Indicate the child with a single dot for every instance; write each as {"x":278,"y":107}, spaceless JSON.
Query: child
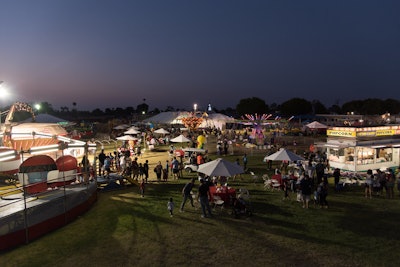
{"x":141,"y":187}
{"x":165,"y":175}
{"x":170,"y":206}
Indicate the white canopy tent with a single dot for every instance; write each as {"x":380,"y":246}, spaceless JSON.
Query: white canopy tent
{"x":316,"y":125}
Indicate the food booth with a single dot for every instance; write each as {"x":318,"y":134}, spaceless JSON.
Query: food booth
{"x":361,"y":148}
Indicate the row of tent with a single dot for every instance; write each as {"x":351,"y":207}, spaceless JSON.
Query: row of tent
{"x":217,"y":120}
{"x":222,"y":167}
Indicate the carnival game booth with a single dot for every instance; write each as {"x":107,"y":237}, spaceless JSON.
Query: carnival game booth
{"x":358,"y":149}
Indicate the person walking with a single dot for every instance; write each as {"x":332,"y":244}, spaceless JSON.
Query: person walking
{"x":186,"y":193}
{"x":171,"y":206}
{"x":204,"y":195}
{"x":175,"y":168}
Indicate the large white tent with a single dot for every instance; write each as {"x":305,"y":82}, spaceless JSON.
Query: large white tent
{"x":217,"y":120}
{"x":164,"y":117}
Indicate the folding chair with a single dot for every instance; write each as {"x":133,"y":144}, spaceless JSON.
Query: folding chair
{"x":218,"y":202}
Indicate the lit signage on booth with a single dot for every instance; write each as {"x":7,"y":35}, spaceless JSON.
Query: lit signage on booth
{"x":340,"y":133}
{"x":364,"y":132}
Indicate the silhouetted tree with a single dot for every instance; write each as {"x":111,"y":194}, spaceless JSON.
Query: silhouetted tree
{"x":170,"y":108}
{"x":251,"y":106}
{"x":46,"y":107}
{"x":274,"y":107}
{"x":129,"y":110}
{"x":318,"y":107}
{"x":142,"y":108}
{"x":64,"y":109}
{"x":368,"y":106}
{"x":335,"y":109}
{"x":296,"y":106}
{"x":97,"y":112}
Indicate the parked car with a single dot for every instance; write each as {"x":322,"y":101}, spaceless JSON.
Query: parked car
{"x":189,"y":167}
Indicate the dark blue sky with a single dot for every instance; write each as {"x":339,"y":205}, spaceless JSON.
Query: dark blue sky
{"x":115,"y":53}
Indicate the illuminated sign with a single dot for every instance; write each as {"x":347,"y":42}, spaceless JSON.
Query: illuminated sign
{"x":364,"y":132}
{"x":385,"y":132}
{"x":341,"y":133}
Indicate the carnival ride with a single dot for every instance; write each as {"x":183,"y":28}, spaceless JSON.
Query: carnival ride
{"x":39,"y":174}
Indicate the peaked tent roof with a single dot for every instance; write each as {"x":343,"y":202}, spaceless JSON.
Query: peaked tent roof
{"x":283,"y":154}
{"x":316,"y":125}
{"x":180,"y":139}
{"x":220,"y":167}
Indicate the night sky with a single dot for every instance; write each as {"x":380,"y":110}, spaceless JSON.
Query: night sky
{"x":115,"y":53}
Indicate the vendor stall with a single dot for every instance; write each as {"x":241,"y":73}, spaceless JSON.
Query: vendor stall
{"x":361,"y":148}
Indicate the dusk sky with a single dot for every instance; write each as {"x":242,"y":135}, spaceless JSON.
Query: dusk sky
{"x":115,"y":53}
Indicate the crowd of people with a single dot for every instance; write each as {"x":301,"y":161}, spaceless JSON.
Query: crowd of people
{"x":311,"y":185}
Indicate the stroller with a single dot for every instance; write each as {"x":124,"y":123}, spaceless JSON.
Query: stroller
{"x":241,"y":207}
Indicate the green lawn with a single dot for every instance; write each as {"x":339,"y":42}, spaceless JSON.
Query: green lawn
{"x":123,"y":229}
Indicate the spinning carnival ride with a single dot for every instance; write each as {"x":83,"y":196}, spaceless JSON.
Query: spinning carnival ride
{"x":38,"y":170}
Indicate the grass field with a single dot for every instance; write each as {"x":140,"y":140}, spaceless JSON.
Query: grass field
{"x":124,"y":229}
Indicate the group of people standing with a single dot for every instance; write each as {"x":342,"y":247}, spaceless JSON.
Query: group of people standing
{"x":307,"y":191}
{"x":379,"y":181}
{"x":173,"y":168}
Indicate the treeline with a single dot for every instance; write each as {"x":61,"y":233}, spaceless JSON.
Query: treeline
{"x":254,"y":105}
